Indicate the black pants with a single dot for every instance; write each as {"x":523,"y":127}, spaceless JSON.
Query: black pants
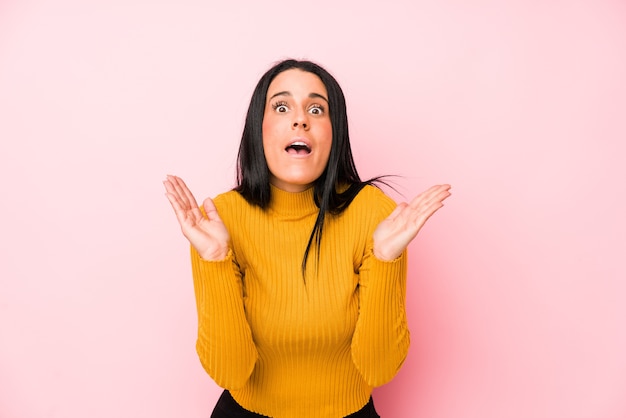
{"x":227,"y":407}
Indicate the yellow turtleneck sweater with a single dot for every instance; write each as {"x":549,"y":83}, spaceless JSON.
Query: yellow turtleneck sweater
{"x":294,"y":347}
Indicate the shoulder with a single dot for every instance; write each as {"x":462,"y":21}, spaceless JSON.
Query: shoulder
{"x":371,"y":205}
{"x":375,"y":199}
{"x":231,"y":203}
{"x":230,"y":197}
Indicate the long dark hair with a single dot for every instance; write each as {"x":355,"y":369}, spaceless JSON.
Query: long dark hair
{"x":338,"y":185}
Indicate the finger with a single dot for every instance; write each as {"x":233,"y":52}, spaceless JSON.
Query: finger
{"x":420,"y":216}
{"x":179,"y":188}
{"x":188,"y":201}
{"x":188,"y":195}
{"x":211,"y":210}
{"x":169,"y":186}
{"x":435,"y":193}
{"x":181,"y":214}
{"x":172,"y":194}
{"x":439,"y":197}
{"x":180,"y":192}
{"x":430,"y":193}
{"x":396,"y":212}
{"x":422,"y":209}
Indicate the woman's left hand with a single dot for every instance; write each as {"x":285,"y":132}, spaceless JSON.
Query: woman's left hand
{"x":394,"y":233}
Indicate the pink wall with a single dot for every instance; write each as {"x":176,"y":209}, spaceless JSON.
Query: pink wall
{"x":517,"y":288}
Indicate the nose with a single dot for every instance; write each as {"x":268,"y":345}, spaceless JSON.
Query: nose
{"x":300,"y":120}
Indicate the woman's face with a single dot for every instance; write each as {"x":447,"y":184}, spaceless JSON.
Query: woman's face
{"x":297,"y":133}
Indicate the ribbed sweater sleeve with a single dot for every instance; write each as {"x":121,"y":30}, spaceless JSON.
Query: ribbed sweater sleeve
{"x":225,"y":345}
{"x":381,"y":338}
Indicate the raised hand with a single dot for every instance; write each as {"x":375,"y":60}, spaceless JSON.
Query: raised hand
{"x":208,"y":235}
{"x":395,"y":232}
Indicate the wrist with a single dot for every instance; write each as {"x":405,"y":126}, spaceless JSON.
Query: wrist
{"x":215,"y":255}
{"x":385,"y":256}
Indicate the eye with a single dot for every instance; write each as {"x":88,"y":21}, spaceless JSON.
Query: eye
{"x":316,"y":110}
{"x":280,"y":107}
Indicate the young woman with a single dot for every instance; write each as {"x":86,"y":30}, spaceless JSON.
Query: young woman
{"x":300,"y":271}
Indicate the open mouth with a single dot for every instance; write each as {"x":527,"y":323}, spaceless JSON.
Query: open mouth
{"x":298,"y":148}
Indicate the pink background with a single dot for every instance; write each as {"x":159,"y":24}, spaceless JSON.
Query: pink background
{"x":517,"y":287}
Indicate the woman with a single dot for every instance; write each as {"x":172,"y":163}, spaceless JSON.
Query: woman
{"x":300,"y":271}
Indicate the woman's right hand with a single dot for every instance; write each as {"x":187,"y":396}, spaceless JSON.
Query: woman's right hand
{"x":207,"y":234}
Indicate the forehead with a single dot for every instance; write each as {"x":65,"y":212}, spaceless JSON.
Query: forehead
{"x":296,"y":81}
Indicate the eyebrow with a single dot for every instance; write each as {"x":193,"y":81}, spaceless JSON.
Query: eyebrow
{"x":311,"y":95}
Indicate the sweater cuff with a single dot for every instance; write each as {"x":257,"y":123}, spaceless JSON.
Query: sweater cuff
{"x":388,"y":271}
{"x":212,"y":268}
{"x":214,"y":278}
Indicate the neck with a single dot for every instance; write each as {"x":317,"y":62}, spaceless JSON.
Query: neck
{"x":292,"y":203}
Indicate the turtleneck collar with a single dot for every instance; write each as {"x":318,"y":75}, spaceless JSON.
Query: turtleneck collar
{"x":290,"y":204}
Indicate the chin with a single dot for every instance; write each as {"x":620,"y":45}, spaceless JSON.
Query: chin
{"x":292,"y":185}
